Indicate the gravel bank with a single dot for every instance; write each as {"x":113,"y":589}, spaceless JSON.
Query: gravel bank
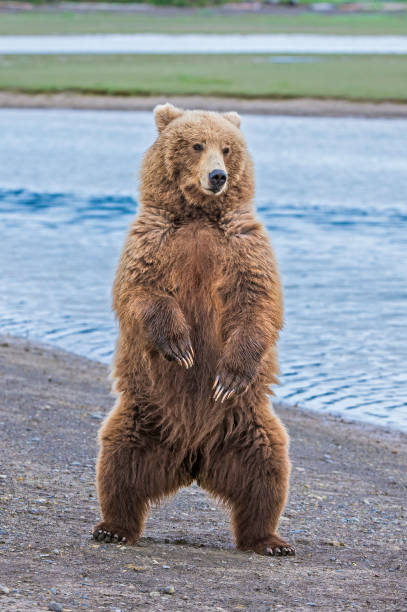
{"x":303,"y":107}
{"x":346,"y":512}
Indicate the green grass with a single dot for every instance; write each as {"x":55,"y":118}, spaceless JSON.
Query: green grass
{"x":347,"y":77}
{"x":205,"y":20}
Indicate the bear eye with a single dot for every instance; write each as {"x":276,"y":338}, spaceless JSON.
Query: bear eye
{"x":226,"y":150}
{"x":198,"y":147}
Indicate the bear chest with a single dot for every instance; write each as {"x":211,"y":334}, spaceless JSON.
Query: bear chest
{"x":194,"y":263}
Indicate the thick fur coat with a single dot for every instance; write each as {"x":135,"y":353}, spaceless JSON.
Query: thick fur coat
{"x":199,"y":304}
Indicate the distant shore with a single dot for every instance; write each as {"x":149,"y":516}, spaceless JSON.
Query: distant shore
{"x":346,"y":512}
{"x":309,"y":107}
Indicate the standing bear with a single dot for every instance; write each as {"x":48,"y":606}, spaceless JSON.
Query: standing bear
{"x":199,"y":304}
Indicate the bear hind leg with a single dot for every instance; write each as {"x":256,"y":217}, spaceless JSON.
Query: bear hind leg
{"x":122,"y":505}
{"x":128,"y":481}
{"x":250,"y":472}
{"x":132,"y":471}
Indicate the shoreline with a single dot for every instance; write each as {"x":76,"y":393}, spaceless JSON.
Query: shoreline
{"x":278,"y":403}
{"x":299,"y":107}
{"x":345,"y":514}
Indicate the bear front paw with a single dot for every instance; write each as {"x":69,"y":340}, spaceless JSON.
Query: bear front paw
{"x":178,"y":349}
{"x":229,"y":383}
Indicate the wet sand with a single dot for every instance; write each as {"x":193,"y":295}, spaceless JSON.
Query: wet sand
{"x":346,"y":513}
{"x":307,"y":107}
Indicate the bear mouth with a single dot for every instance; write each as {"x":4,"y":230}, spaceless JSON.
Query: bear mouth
{"x":213,"y":190}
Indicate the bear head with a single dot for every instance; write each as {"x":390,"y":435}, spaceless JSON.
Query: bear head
{"x":199,"y":159}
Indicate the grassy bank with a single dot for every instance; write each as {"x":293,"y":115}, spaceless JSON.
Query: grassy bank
{"x":347,"y":77}
{"x":208,"y":21}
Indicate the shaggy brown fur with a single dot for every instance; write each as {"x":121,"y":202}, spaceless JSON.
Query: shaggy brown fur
{"x":198,"y":300}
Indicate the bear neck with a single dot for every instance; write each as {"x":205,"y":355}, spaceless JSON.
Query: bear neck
{"x":178,"y":208}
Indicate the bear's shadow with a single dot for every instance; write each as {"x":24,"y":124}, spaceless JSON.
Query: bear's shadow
{"x":190,"y":518}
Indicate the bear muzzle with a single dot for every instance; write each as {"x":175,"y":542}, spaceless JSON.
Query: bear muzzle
{"x":213,"y":175}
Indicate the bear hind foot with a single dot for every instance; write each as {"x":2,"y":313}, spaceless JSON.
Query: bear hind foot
{"x":272,"y":546}
{"x":108,"y":533}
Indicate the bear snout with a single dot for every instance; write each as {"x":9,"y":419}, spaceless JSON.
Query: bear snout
{"x":217,"y":178}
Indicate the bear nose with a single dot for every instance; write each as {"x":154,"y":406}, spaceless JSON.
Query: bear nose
{"x":217,"y":178}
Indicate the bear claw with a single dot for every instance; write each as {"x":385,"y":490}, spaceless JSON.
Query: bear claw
{"x":184,"y":357}
{"x":280,"y":551}
{"x":103,"y":535}
{"x":223,"y":392}
{"x":274,"y":546}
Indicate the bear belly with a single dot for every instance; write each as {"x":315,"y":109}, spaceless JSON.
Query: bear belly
{"x":197,"y":272}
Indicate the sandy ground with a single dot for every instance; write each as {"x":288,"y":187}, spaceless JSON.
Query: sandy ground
{"x":311,"y":107}
{"x":346,"y":513}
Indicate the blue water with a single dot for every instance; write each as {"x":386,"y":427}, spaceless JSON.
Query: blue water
{"x":332,"y":193}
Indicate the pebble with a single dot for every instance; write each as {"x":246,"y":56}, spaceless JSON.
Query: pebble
{"x":169,"y":590}
{"x":97,"y":415}
{"x":335,"y":543}
{"x":154,"y":594}
{"x":4,"y":590}
{"x":55,"y":607}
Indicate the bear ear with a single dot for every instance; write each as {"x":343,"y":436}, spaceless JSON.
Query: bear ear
{"x":233,"y":118}
{"x":164,"y":114}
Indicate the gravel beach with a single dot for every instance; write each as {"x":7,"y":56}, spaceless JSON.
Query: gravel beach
{"x":300,"y":107}
{"x":346,"y":513}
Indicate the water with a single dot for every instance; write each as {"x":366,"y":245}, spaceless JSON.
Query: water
{"x":203,"y":43}
{"x":332,"y":193}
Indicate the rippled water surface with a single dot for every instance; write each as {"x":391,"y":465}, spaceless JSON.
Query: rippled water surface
{"x":332,"y":193}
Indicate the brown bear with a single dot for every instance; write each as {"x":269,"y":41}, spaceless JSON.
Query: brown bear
{"x":199,"y":304}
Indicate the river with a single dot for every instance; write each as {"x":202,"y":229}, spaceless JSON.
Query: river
{"x":331,"y":192}
{"x":203,"y":43}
